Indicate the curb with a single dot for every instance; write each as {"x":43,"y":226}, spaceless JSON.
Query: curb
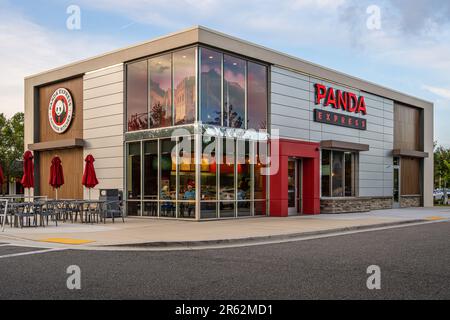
{"x":253,"y":240}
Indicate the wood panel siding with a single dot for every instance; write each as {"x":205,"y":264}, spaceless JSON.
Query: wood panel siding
{"x":407,"y":128}
{"x":46,"y":133}
{"x":72,"y":162}
{"x":407,"y":137}
{"x":410,"y":176}
{"x":72,"y":158}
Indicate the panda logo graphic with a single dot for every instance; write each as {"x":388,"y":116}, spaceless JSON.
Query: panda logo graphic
{"x":60,"y":110}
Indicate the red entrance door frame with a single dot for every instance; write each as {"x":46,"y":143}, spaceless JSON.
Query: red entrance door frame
{"x":309,"y":152}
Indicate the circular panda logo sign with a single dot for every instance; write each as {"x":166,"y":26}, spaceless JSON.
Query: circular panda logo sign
{"x":60,"y":110}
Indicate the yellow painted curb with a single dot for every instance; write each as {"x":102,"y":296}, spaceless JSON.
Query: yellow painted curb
{"x":66,"y":241}
{"x":434,"y":218}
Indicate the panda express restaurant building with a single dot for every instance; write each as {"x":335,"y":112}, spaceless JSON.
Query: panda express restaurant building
{"x":200,"y":125}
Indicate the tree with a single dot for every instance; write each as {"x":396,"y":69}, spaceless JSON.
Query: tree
{"x":442,"y":169}
{"x":11,"y":144}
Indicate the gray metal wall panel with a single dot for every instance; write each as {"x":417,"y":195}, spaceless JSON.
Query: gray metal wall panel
{"x":292,"y":105}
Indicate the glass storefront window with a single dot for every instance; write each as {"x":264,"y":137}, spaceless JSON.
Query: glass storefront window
{"x":137,"y":117}
{"x":186,"y":177}
{"x":227,"y":209}
{"x":187,"y":168}
{"x":244,"y":208}
{"x":162,"y":90}
{"x":167,"y":209}
{"x":186,"y":209}
{"x":168,"y":174}
{"x":208,"y":210}
{"x":337,"y":182}
{"x":244,"y":178}
{"x":134,"y":179}
{"x":243,"y":170}
{"x":161,"y":178}
{"x":208,"y":178}
{"x":133,"y":208}
{"x":160,"y":69}
{"x":326,"y":173}
{"x":227,"y":170}
{"x":260,"y":179}
{"x":208,"y":170}
{"x":234,"y":92}
{"x":260,"y":208}
{"x":150,"y":209}
{"x":184,"y":82}
{"x":134,"y":171}
{"x":349,"y":159}
{"x":338,"y":173}
{"x":256,"y":96}
{"x":150,"y":175}
{"x":211,"y":83}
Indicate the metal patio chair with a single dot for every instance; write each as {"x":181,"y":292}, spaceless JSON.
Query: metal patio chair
{"x":92,"y":212}
{"x":14,"y":212}
{"x":26,"y":213}
{"x":111,"y":209}
{"x":46,"y":210}
{"x":64,"y":210}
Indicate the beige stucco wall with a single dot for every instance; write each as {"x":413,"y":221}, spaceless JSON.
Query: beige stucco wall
{"x":103,"y":128}
{"x":428,"y":177}
{"x":28,"y":121}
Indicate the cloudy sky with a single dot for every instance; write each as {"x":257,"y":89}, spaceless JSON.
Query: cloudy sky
{"x":410,"y":51}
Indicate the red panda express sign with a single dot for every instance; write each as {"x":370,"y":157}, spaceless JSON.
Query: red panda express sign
{"x":345,"y":101}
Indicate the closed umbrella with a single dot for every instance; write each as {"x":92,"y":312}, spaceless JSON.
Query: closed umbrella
{"x":28,"y":171}
{"x":2,"y":180}
{"x":56,"y":174}
{"x":89,"y":177}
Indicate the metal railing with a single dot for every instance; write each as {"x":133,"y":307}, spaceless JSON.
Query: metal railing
{"x":24,"y":198}
{"x":4,"y":213}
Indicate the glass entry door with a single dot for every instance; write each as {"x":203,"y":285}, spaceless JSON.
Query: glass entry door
{"x":294,"y":186}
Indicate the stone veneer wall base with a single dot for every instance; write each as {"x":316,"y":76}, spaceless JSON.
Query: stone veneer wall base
{"x":410,"y":201}
{"x":354,"y":204}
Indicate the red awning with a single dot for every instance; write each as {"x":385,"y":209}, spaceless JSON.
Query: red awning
{"x":89,"y":176}
{"x":28,"y":170}
{"x":56,"y":173}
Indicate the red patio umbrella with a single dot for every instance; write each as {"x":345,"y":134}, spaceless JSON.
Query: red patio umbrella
{"x":28,"y":171}
{"x":89,"y":177}
{"x":2,"y":179}
{"x":56,"y":179}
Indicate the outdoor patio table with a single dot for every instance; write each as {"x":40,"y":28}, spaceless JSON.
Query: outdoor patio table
{"x":58,"y":205}
{"x":84,"y":207}
{"x":77,"y":208}
{"x":69,"y":207}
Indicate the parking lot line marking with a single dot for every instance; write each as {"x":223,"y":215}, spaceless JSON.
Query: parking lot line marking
{"x":30,"y":252}
{"x":434,"y":218}
{"x":66,"y":241}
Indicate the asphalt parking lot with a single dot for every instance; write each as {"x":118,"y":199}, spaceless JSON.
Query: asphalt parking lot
{"x":414,"y":263}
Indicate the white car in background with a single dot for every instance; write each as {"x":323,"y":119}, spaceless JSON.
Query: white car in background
{"x":438,"y":194}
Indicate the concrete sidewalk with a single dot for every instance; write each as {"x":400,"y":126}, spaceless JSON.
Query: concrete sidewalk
{"x":153,"y":232}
